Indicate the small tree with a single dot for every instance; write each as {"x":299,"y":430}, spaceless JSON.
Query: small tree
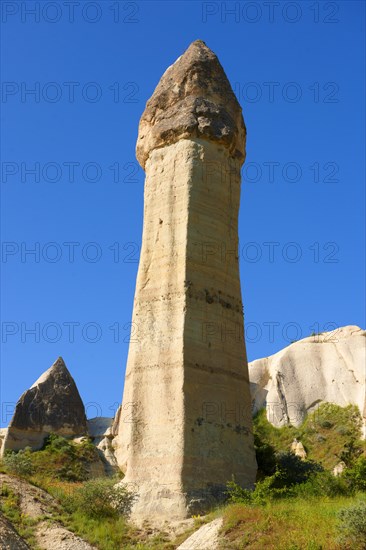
{"x":104,"y":497}
{"x":19,"y":463}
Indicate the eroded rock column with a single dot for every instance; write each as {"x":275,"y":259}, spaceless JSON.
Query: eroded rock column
{"x":185,"y":423}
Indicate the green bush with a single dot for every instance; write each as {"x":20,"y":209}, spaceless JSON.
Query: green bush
{"x":102,"y":498}
{"x":330,"y":434}
{"x":19,"y":463}
{"x":352,"y":449}
{"x":65,"y":460}
{"x":293,"y":477}
{"x":356,"y":475}
{"x":295,"y":470}
{"x":238,"y":495}
{"x":57,"y":443}
{"x":59,"y":459}
{"x":271,"y":487}
{"x":353,"y":524}
{"x":322,"y":484}
{"x":265,"y":490}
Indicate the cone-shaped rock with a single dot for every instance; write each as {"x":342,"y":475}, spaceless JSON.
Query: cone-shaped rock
{"x":184,"y":428}
{"x":52,"y":404}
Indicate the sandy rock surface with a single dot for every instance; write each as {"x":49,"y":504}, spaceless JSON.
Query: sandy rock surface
{"x":205,"y":538}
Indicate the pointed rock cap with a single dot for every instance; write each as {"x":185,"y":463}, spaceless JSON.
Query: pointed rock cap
{"x":58,"y":366}
{"x":51,"y":404}
{"x":193,"y":99}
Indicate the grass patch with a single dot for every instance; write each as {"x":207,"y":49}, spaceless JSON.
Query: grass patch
{"x":290,"y":524}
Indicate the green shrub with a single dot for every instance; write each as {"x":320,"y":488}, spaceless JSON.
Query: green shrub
{"x":102,"y":498}
{"x":271,"y":487}
{"x":267,"y":489}
{"x":19,"y":463}
{"x":346,"y":419}
{"x":293,"y":477}
{"x":351,"y":451}
{"x":59,"y":459}
{"x":57,"y":443}
{"x":65,"y":460}
{"x":237,"y":494}
{"x":322,"y":484}
{"x":295,"y":470}
{"x":353,"y":523}
{"x":356,"y":475}
{"x":330,"y":434}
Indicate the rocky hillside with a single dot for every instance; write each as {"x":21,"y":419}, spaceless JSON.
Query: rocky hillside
{"x":33,"y":512}
{"x":328,"y":367}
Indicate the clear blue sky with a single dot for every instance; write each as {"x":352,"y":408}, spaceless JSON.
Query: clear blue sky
{"x":299,"y":73}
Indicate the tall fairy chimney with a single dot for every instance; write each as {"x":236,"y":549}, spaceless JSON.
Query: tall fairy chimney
{"x":185,"y":423}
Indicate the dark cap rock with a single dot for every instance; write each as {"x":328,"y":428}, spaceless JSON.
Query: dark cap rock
{"x":193,"y":99}
{"x":52,"y":404}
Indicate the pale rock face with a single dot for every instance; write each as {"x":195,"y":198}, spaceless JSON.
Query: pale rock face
{"x":206,"y":537}
{"x":3,"y":432}
{"x":100,"y":429}
{"x":328,"y":367}
{"x":339,"y":468}
{"x":298,"y":449}
{"x":52,"y":404}
{"x":184,"y":427}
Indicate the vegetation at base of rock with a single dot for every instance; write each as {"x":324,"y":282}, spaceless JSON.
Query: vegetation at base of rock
{"x":60,"y":459}
{"x":114,"y":533}
{"x":330,"y":434}
{"x":295,"y":498}
{"x":281,"y":485}
{"x":19,"y":463}
{"x":97,"y":511}
{"x":281,"y":474}
{"x":101,"y":498}
{"x":297,"y":504}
